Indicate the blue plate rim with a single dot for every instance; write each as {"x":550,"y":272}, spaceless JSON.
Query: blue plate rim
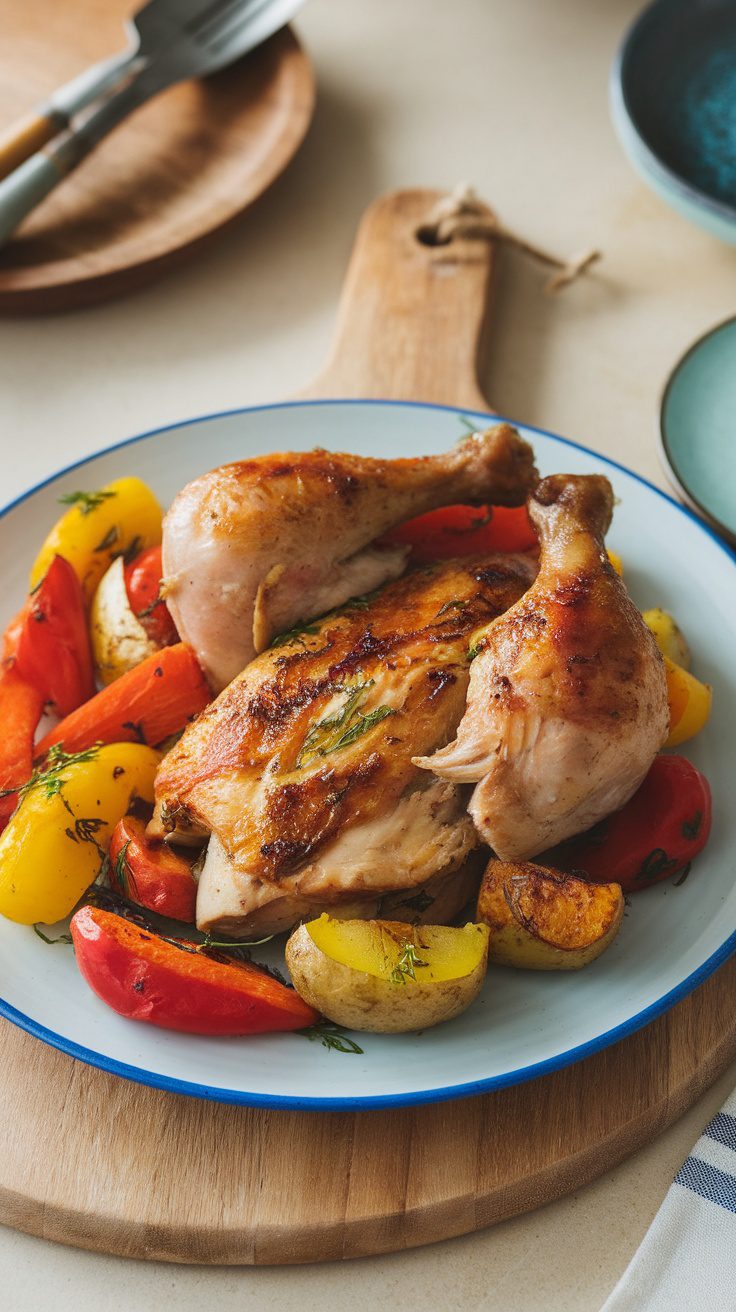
{"x":625,"y":123}
{"x":240,"y":1097}
{"x":668,"y":459}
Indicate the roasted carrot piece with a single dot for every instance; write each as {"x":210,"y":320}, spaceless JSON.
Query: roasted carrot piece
{"x":21,"y":706}
{"x":145,"y":705}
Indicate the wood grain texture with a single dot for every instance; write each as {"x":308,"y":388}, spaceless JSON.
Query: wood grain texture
{"x":93,"y":1161}
{"x":165,"y":181}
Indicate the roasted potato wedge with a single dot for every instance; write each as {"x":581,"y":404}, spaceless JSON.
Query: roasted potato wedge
{"x":541,"y":919}
{"x":385,"y":976}
{"x":119,"y":640}
{"x":668,"y":636}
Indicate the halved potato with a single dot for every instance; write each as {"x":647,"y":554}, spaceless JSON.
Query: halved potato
{"x":386,"y":976}
{"x":541,"y":919}
{"x":119,"y":640}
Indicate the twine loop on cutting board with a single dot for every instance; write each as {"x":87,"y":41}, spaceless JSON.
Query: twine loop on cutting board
{"x":463,"y":214}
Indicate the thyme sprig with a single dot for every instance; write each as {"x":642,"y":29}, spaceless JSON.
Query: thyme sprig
{"x":108,"y":541}
{"x":407,"y":965}
{"x":86,"y":501}
{"x":297,"y":634}
{"x":61,"y":938}
{"x":344,"y":727}
{"x":331,"y":1037}
{"x":50,"y":779}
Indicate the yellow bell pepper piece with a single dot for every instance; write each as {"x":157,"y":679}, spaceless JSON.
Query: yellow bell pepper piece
{"x":690,"y":703}
{"x":57,"y":838}
{"x":122,"y":517}
{"x":668,"y":636}
{"x":616,"y":561}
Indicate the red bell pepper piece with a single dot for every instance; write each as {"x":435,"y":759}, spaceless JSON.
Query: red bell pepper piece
{"x":143,"y":584}
{"x":464,"y":531}
{"x":145,"y":705}
{"x":173,"y":984}
{"x":53,"y":649}
{"x":21,"y":707}
{"x":11,"y":636}
{"x":150,"y":873}
{"x":654,"y":836}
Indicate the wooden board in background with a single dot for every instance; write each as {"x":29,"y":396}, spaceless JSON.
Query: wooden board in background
{"x":165,"y":181}
{"x":93,"y":1161}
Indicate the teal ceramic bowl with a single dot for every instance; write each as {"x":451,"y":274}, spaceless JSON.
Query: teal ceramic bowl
{"x":673,"y":102}
{"x":698,"y":427}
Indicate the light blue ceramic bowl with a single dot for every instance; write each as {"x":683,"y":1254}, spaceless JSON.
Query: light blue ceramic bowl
{"x":698,"y":427}
{"x":673,"y":102}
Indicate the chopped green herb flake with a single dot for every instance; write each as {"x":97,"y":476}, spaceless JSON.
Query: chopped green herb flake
{"x":108,"y":541}
{"x":331,"y":1037}
{"x":452,"y":605}
{"x":345,"y":726}
{"x":61,"y":938}
{"x":86,"y":501}
{"x":408,"y":964}
{"x":294,"y":635}
{"x":132,"y":550}
{"x":51,"y":779}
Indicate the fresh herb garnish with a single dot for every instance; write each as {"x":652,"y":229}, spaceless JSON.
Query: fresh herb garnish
{"x":182,"y":936}
{"x":108,"y":541}
{"x":360,"y":603}
{"x":452,"y":605}
{"x":50,"y":780}
{"x":345,"y":726}
{"x":469,"y":426}
{"x":330,"y":1036}
{"x":132,"y":550}
{"x":691,"y":828}
{"x":657,"y":865}
{"x":294,"y":635}
{"x":420,"y":902}
{"x":62,"y":938}
{"x":87,"y":501}
{"x":136,"y":727}
{"x":473,"y":650}
{"x":123,"y":873}
{"x":407,"y":964}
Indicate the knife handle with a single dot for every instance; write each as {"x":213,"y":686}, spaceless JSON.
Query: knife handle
{"x":23,"y":189}
{"x":28,"y":135}
{"x":31,"y":133}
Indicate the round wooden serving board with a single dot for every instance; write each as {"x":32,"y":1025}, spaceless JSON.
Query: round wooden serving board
{"x":91,"y":1160}
{"x":175,"y":172}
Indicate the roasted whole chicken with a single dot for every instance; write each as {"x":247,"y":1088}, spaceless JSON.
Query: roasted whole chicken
{"x":301,"y":771}
{"x":253,"y":548}
{"x":567,"y":704}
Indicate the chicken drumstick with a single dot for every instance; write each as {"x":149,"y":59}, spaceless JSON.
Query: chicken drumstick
{"x":567,"y":703}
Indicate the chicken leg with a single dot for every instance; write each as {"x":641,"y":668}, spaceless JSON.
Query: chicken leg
{"x":253,"y":548}
{"x":567,"y":703}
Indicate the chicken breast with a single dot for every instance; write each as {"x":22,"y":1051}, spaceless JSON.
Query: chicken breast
{"x":302,"y":768}
{"x":253,"y":548}
{"x":567,"y":704}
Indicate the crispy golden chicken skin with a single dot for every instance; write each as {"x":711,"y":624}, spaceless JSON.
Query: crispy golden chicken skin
{"x":567,"y":704}
{"x":302,"y":771}
{"x":252,"y":548}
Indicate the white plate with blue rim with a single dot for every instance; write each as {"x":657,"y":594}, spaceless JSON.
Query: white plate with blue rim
{"x":524,"y":1024}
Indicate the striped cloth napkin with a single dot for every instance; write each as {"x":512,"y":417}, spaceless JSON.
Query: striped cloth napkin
{"x":687,"y":1259}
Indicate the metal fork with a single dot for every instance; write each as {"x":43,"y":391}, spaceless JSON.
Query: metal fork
{"x":170,"y":41}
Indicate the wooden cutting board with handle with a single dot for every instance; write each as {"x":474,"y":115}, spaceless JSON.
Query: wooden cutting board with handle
{"x":91,"y":1160}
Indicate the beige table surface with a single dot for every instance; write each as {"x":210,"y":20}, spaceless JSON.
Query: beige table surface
{"x":511,"y":96}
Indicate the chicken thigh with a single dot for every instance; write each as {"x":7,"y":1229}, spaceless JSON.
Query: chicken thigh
{"x":253,"y":548}
{"x":567,"y":704}
{"x":301,"y":770}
